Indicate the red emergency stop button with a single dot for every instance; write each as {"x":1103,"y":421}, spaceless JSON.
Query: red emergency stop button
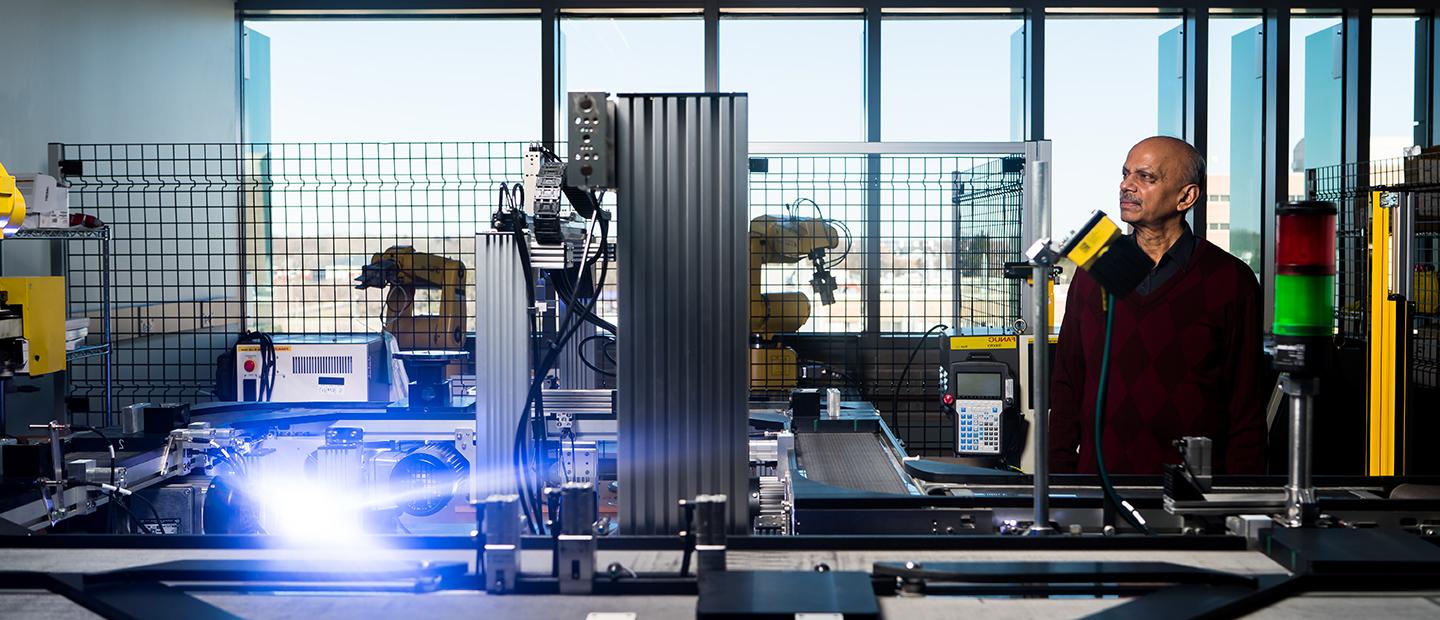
{"x":949,"y":399}
{"x":249,"y":365}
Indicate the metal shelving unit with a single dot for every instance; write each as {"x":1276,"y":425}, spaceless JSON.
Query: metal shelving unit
{"x":103,"y":349}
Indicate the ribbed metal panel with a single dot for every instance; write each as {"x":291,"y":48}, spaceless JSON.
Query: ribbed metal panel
{"x":574,"y":375}
{"x":502,"y":362}
{"x":683,"y":206}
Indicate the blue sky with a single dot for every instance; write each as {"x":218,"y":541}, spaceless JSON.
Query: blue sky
{"x":477,"y":80}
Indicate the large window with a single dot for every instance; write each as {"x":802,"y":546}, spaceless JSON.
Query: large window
{"x":1236,"y":107}
{"x":947,"y":79}
{"x":394,"y":80}
{"x":1316,"y":95}
{"x":1392,"y":86}
{"x":631,"y":55}
{"x":1102,"y":96}
{"x":804,"y":77}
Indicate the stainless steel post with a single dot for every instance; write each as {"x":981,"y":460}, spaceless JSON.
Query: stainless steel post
{"x":1300,"y":507}
{"x":1040,"y":387}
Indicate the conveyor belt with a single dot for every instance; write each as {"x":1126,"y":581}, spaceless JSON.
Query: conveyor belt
{"x":851,"y":460}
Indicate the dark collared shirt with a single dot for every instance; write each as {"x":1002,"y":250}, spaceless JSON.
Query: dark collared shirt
{"x":1171,"y":262}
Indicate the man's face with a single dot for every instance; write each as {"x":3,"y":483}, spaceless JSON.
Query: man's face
{"x":1151,"y":189}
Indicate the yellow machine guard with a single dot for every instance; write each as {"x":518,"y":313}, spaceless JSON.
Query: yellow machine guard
{"x":42,"y":303}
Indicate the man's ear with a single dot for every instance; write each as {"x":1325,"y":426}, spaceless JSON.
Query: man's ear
{"x":1189,"y":196}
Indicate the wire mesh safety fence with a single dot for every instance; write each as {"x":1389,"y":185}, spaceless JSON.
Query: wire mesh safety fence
{"x":1351,"y":187}
{"x":1340,"y":185}
{"x":211,"y":240}
{"x":908,"y":242}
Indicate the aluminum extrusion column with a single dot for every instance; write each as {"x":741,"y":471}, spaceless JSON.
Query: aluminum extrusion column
{"x":684,"y":314}
{"x":502,"y":362}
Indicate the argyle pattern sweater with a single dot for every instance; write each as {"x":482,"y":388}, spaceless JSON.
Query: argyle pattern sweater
{"x":1185,"y":360}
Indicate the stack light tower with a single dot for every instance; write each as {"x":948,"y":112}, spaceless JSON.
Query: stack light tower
{"x":1304,"y":330}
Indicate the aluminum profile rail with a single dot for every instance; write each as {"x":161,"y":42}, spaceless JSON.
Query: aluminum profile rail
{"x":502,"y":362}
{"x":684,"y":316}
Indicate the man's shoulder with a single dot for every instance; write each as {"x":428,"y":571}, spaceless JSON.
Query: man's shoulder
{"x":1225,"y":278}
{"x":1216,"y":261}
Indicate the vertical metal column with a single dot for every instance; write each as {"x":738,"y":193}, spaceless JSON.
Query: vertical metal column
{"x":1040,"y":523}
{"x":1197,"y":89}
{"x":1034,"y":94}
{"x":684,"y":312}
{"x":1037,"y":226}
{"x":1035,"y":210}
{"x":502,"y":362}
{"x":1427,"y":79}
{"x":1300,"y":507}
{"x":873,"y":212}
{"x":1275,"y":164}
{"x":549,"y":71}
{"x":712,"y":46}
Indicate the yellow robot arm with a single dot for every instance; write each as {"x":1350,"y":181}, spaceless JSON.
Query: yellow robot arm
{"x":787,"y":240}
{"x":404,"y":270}
{"x":12,"y":205}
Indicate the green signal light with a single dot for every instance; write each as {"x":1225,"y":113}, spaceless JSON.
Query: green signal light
{"x":1304,"y":305}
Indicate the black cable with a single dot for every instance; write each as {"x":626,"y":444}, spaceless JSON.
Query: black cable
{"x":849,"y":242}
{"x":849,"y":380}
{"x":568,"y":296}
{"x":519,"y":460}
{"x":267,"y":361}
{"x":1130,"y":514}
{"x":159,"y":526}
{"x":895,"y":402}
{"x":134,"y":521}
{"x":116,"y":495}
{"x":569,"y":325}
{"x":580,"y":350}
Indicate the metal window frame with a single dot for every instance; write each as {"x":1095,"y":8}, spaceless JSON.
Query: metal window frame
{"x":1427,"y":79}
{"x":1196,"y":33}
{"x":1276,"y":15}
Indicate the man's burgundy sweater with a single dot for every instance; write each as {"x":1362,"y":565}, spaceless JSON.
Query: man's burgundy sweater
{"x":1185,"y":360}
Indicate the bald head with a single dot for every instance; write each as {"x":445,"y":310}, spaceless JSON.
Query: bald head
{"x":1192,"y":163}
{"x":1163,"y":177}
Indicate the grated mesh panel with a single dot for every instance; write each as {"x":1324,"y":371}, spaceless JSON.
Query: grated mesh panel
{"x":851,"y":460}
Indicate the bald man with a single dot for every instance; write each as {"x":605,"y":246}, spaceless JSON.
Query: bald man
{"x":1185,"y":357}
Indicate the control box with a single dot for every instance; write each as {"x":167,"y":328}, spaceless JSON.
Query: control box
{"x":591,"y":161}
{"x":314,"y":367}
{"x":979,"y":389}
{"x":978,"y":393}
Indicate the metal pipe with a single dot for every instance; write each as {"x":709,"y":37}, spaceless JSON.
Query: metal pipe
{"x":1040,"y":387}
{"x":105,"y":294}
{"x":1300,"y":508}
{"x":56,"y":458}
